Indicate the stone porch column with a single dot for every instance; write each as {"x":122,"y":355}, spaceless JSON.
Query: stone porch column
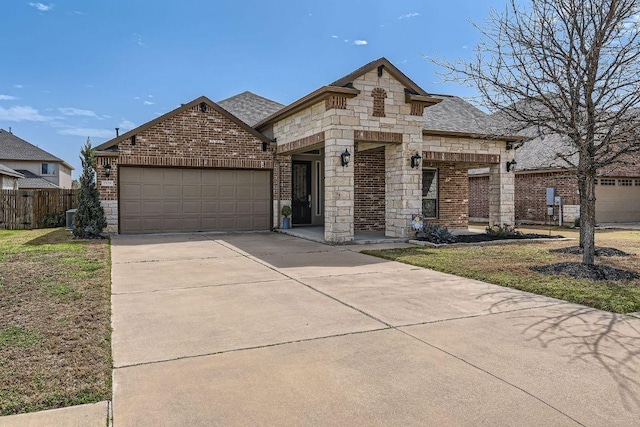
{"x":338,"y":188}
{"x":501,"y":195}
{"x":403,"y":186}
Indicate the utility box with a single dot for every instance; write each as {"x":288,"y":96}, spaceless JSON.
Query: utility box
{"x":551,"y":195}
{"x":557,"y":201}
{"x":69,"y":221}
{"x":550,"y":211}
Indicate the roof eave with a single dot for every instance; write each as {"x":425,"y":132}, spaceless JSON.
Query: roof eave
{"x":495,"y":137}
{"x":307,"y":101}
{"x":115,"y":141}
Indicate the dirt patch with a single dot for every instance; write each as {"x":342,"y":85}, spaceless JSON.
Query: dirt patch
{"x":600,"y":251}
{"x":589,"y":272}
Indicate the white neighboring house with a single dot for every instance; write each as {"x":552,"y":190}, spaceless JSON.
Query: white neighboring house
{"x":9,"y":178}
{"x":39,"y":169}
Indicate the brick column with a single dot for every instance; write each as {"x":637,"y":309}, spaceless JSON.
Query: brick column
{"x":338,"y":189}
{"x":501,"y":195}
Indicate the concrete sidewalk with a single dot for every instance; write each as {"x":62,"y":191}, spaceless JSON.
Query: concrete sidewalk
{"x":91,"y":415}
{"x":268,"y":329}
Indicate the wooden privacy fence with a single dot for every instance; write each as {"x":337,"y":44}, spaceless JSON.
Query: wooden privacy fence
{"x":29,"y":209}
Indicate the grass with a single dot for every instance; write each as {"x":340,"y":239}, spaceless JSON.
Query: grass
{"x":509,"y":265}
{"x":55,"y":332}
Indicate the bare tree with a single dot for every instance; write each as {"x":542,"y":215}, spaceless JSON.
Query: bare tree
{"x":568,"y":67}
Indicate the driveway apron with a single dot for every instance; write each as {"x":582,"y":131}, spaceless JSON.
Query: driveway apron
{"x":268,"y":329}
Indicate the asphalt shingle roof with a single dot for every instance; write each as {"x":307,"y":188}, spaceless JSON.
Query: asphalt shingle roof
{"x":4,"y":170}
{"x":14,"y":148}
{"x":31,"y":180}
{"x":249,"y":107}
{"x":454,"y":114}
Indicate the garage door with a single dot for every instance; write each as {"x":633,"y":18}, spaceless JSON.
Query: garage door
{"x":618,"y":200}
{"x":158,"y":200}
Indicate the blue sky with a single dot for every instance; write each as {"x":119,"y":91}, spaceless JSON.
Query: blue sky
{"x":76,"y":68}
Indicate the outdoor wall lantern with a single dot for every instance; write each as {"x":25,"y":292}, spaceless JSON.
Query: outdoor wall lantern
{"x":345,"y":157}
{"x":107,"y":169}
{"x":511,"y":166}
{"x":415,"y":161}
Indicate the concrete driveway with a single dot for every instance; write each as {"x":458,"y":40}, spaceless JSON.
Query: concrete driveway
{"x":268,"y":329}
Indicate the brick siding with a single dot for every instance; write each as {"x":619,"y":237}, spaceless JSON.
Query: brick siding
{"x":191,"y":138}
{"x":530,"y":194}
{"x":479,"y":197}
{"x":453,"y":195}
{"x":369,"y":179}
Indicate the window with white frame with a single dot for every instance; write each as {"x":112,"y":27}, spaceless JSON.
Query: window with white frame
{"x":48,"y":169}
{"x":430,"y":193}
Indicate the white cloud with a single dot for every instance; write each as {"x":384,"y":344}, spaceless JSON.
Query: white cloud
{"x":88,"y":132}
{"x":22,"y":114}
{"x":18,"y":86}
{"x":409,"y":15}
{"x":360,"y":42}
{"x":138,"y":39}
{"x":41,"y":7}
{"x":69,"y":111}
{"x":136,"y":97}
{"x":334,"y":37}
{"x":7,"y":98}
{"x":126,"y":125}
{"x":148,"y":103}
{"x":149,"y":96}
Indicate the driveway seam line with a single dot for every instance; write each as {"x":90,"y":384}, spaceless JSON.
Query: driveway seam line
{"x":146,"y":261}
{"x":259,"y":261}
{"x":471,"y":316}
{"x":490,"y":374}
{"x":195,"y":287}
{"x":234,"y":350}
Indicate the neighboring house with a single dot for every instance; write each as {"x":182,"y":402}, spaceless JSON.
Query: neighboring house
{"x":40,"y":168}
{"x":9,"y":178}
{"x":232,"y":165}
{"x":539,"y":167}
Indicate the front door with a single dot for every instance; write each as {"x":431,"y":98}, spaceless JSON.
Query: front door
{"x":301,"y":192}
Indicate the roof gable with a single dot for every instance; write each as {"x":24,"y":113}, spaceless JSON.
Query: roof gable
{"x":184,"y":107}
{"x":389,"y":68}
{"x":15,"y":148}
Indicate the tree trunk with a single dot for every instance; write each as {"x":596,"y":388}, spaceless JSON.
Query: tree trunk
{"x":588,"y":218}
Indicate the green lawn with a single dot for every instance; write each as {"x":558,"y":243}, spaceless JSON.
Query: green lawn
{"x":509,"y":265}
{"x":55,"y":329}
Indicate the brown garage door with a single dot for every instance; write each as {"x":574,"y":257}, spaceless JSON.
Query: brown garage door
{"x":618,"y":200}
{"x":156,"y":200}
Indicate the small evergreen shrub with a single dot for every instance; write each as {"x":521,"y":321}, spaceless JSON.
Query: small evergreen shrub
{"x":435,"y":234}
{"x":89,"y":219}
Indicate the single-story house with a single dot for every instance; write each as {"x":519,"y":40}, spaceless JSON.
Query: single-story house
{"x":364,"y":153}
{"x":540,"y":167}
{"x":41,"y":170}
{"x":9,"y":178}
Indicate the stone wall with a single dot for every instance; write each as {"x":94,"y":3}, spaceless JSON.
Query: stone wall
{"x":369,"y":178}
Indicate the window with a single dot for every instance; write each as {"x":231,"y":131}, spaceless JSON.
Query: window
{"x":48,"y":169}
{"x":638,"y":182}
{"x":625,"y":182}
{"x":430,"y":193}
{"x":607,"y":181}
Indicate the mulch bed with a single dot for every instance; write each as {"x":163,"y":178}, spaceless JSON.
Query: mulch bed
{"x":600,"y":251}
{"x":589,"y":272}
{"x":477,"y":238}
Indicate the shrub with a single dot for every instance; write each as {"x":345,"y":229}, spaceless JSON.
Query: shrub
{"x":435,"y":234}
{"x":503,"y":230}
{"x":54,"y":220}
{"x":286,"y":211}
